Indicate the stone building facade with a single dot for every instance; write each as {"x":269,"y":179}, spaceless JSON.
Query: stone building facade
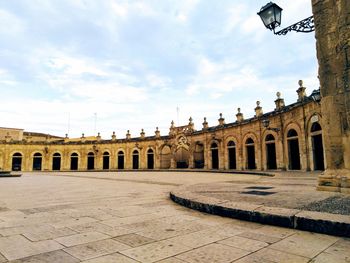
{"x":332,"y":26}
{"x":288,"y":138}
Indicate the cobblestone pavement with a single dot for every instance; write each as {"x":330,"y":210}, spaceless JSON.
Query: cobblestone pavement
{"x":128,"y":217}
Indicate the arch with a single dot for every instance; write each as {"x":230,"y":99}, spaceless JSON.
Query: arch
{"x":56,"y":161}
{"x":271,"y":158}
{"x":37,"y":161}
{"x":231,"y":151}
{"x":292,"y":133}
{"x":198,"y":155}
{"x":150,"y":159}
{"x":74,"y":161}
{"x":182,"y":156}
{"x":135,"y":159}
{"x":17,"y":162}
{"x":165,"y":157}
{"x":250,"y":153}
{"x":214,"y":155}
{"x":293,"y":150}
{"x":121,"y":160}
{"x":316,"y":127}
{"x":105,"y":160}
{"x":317,"y":146}
{"x":90,"y":161}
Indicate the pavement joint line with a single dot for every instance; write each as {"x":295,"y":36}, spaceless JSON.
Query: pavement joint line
{"x":115,"y":179}
{"x":295,"y":221}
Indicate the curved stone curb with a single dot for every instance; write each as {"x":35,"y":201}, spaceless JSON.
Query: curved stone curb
{"x":325,"y":223}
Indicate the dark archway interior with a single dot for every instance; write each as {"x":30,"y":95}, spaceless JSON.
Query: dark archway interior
{"x":135,"y":160}
{"x":17,"y":162}
{"x":74,"y":159}
{"x":56,"y":162}
{"x":91,"y":161}
{"x":105,"y":164}
{"x":37,"y":162}
{"x":150,"y":159}
{"x":120,"y":160}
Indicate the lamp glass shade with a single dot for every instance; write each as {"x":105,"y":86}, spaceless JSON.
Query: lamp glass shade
{"x":271,"y":14}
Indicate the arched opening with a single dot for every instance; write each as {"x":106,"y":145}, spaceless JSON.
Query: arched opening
{"x":293,"y":150}
{"x":17,"y":162}
{"x":37,"y":161}
{"x":214,"y":156}
{"x":231,"y":147}
{"x":91,"y":161}
{"x":165,"y":157}
{"x":120,"y":160}
{"x":198,"y":155}
{"x":74,"y":160}
{"x":182,"y":157}
{"x":270,"y":152}
{"x":317,"y":146}
{"x":135,"y":159}
{"x":56,"y":162}
{"x":150,"y":159}
{"x":105,"y":164}
{"x":250,"y":153}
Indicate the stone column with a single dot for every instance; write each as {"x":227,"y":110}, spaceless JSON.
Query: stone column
{"x":332,"y":26}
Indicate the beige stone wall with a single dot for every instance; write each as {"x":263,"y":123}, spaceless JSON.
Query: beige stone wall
{"x":297,"y":117}
{"x":11,"y":133}
{"x":332,"y":24}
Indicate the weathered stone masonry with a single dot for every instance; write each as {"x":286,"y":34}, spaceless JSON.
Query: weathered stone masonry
{"x":332,"y":24}
{"x":241,"y":145}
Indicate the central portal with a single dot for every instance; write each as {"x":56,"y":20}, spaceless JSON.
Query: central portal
{"x":182,"y":157}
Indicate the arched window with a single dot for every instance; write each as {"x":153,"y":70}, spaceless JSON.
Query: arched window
{"x":165,"y":157}
{"x":271,"y":162}
{"x":231,"y":147}
{"x":315,"y":127}
{"x":150,"y":159}
{"x":105,"y":160}
{"x":293,"y":150}
{"x":56,"y":162}
{"x":17,"y":162}
{"x":214,"y":156}
{"x":135,"y":159}
{"x":317,"y":146}
{"x":74,"y":161}
{"x":37,"y":162}
{"x":250,"y":150}
{"x":121,"y":160}
{"x":198,"y":155}
{"x":91,"y":161}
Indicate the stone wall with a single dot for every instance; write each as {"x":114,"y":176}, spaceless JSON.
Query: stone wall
{"x":332,"y":24}
{"x":241,"y":145}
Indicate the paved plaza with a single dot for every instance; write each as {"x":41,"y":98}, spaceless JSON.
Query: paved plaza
{"x":128,"y":217}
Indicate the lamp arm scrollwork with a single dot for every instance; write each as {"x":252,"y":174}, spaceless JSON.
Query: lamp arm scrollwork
{"x":306,"y":25}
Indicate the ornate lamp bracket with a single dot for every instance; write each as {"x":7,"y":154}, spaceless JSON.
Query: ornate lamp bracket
{"x":306,"y":25}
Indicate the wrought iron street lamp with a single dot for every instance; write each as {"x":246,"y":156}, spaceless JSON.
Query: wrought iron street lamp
{"x":271,"y":14}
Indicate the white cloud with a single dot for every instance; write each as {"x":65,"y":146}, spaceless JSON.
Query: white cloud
{"x":10,"y":24}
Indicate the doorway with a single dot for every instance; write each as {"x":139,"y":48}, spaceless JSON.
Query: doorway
{"x":271,"y":162}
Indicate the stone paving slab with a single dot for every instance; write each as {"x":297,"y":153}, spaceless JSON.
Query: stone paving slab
{"x":15,"y":247}
{"x":257,"y":211}
{"x":213,"y":253}
{"x":112,"y":258}
{"x":96,"y":249}
{"x":57,"y":256}
{"x":82,"y":238}
{"x":107,"y":220}
{"x":155,"y":251}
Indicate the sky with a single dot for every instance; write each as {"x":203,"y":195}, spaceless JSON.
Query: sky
{"x":88,"y":66}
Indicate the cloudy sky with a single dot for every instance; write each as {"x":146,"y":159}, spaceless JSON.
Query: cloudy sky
{"x":111,"y":65}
